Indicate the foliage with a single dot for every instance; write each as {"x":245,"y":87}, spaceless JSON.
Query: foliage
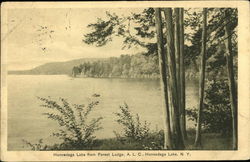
{"x":136,"y":29}
{"x":215,"y":34}
{"x":126,"y":66}
{"x":154,"y":141}
{"x":132,"y":126}
{"x":216,"y":117}
{"x":75,"y":129}
{"x":37,"y":146}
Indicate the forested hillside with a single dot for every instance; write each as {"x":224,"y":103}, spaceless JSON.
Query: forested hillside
{"x":125,"y":66}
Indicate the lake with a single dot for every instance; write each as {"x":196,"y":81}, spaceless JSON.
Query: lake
{"x":26,"y":122}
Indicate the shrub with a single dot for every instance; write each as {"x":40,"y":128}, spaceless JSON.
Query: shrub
{"x":155,"y":141}
{"x":75,"y":129}
{"x":216,"y":115}
{"x":132,"y":126}
{"x":37,"y":146}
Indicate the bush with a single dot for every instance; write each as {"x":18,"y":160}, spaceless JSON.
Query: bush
{"x":75,"y":129}
{"x":155,"y":141}
{"x":37,"y":146}
{"x":132,"y":126}
{"x":216,"y":115}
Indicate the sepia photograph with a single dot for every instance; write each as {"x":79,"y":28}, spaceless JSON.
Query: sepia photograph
{"x":146,"y":78}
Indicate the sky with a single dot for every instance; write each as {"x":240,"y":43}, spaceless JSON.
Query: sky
{"x":40,"y":35}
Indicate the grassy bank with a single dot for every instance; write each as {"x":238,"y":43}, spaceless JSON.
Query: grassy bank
{"x":210,"y":141}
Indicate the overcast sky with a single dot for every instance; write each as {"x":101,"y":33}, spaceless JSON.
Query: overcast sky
{"x":31,"y":44}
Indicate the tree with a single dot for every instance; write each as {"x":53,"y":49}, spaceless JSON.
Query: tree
{"x":202,"y":78}
{"x":143,"y":32}
{"x":177,"y":55}
{"x":182,"y":76}
{"x":75,"y":71}
{"x":178,"y":141}
{"x":233,"y":96}
{"x":162,"y":64}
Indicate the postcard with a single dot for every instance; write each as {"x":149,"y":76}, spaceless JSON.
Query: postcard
{"x":125,"y":81}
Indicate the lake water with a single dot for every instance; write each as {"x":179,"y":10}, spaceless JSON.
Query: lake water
{"x":25,"y":119}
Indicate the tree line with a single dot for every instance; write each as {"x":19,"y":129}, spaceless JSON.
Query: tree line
{"x":125,"y":66}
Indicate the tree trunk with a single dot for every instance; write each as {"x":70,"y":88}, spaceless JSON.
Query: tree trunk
{"x":178,"y":141}
{"x":232,"y":87}
{"x":202,"y":79}
{"x":182,"y":77}
{"x":177,"y":54}
{"x":177,"y":48}
{"x":164,"y":89}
